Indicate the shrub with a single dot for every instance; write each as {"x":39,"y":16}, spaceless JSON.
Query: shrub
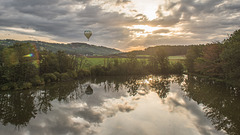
{"x":37,"y":80}
{"x":72,"y":74}
{"x":98,"y":70}
{"x":25,"y":85}
{"x":65,"y":77}
{"x":58,"y":75}
{"x":177,"y":68}
{"x":83,"y":73}
{"x":49,"y":77}
{"x":4,"y":87}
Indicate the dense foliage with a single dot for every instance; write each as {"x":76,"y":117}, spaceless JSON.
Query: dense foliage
{"x":22,"y":66}
{"x":219,"y":60}
{"x":158,"y":63}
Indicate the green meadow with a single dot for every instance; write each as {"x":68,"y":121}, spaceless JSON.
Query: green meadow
{"x":103,"y":61}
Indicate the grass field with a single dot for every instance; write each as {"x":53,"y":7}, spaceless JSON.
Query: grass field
{"x":180,"y":57}
{"x":102,"y":61}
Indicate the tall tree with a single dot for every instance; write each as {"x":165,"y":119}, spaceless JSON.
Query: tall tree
{"x":210,"y":62}
{"x":231,"y":55}
{"x":192,"y":54}
{"x":159,"y":62}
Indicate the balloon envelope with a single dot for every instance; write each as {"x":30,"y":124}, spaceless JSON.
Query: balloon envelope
{"x":88,"y":34}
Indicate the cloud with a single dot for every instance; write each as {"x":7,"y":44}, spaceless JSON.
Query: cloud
{"x":161,"y":31}
{"x":65,"y":20}
{"x":120,"y":2}
{"x":90,"y":115}
{"x":125,"y":107}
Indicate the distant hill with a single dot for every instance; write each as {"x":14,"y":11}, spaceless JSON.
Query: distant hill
{"x":170,"y":50}
{"x":70,"y":48}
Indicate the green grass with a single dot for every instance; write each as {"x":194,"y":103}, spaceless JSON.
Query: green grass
{"x":143,"y":56}
{"x":180,"y":57}
{"x":96,"y":61}
{"x":101,"y":61}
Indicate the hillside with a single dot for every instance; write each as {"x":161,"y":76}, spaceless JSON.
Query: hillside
{"x":170,"y":50}
{"x":70,"y":48}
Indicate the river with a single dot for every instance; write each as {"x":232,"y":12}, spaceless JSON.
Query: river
{"x":150,"y":105}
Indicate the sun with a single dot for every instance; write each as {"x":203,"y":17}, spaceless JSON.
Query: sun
{"x":148,"y":8}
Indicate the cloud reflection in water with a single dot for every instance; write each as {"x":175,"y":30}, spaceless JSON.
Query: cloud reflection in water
{"x":137,"y":107}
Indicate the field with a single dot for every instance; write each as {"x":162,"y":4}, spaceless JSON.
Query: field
{"x":103,"y":61}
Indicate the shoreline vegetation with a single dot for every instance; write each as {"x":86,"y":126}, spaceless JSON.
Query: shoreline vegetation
{"x":22,"y":66}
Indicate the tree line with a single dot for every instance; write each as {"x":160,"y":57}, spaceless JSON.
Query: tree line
{"x":218,"y":60}
{"x":157,"y":63}
{"x":23,"y":66}
{"x":170,"y":50}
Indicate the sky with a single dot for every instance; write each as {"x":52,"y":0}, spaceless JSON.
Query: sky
{"x":122,"y":24}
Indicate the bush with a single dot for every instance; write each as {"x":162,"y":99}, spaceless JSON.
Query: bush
{"x":4,"y":87}
{"x":25,"y":85}
{"x":98,"y":70}
{"x":37,"y":80}
{"x":72,"y":74}
{"x":58,"y":75}
{"x":177,"y":68}
{"x":49,"y":77}
{"x":65,"y":77}
{"x":83,"y":73}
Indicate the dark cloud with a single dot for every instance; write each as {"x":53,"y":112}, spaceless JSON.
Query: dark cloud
{"x":120,"y":2}
{"x":65,"y":20}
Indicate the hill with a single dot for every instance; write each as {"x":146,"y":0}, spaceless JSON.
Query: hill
{"x":170,"y":50}
{"x":70,"y":48}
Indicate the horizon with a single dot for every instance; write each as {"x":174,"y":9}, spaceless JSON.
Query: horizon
{"x":99,"y":45}
{"x":125,"y":25}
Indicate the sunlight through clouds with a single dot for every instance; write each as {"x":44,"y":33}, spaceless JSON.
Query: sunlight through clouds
{"x":120,"y":23}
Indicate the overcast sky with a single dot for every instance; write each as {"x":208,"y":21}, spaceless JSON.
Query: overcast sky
{"x":120,"y":24}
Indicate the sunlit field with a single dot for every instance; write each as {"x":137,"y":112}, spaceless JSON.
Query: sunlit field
{"x":103,"y":61}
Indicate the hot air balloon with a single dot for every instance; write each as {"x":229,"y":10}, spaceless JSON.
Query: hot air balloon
{"x":89,"y":90}
{"x":88,"y":34}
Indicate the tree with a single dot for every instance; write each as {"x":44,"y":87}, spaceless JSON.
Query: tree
{"x":48,"y":62}
{"x":210,"y":62}
{"x":17,"y":66}
{"x":192,"y":54}
{"x":230,"y":56}
{"x":159,"y":62}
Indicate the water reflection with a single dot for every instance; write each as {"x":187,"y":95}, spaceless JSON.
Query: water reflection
{"x":222,"y":102}
{"x":17,"y":108}
{"x":91,"y":107}
{"x":161,"y":86}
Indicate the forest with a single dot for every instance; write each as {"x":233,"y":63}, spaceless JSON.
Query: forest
{"x":218,"y":60}
{"x":23,"y":66}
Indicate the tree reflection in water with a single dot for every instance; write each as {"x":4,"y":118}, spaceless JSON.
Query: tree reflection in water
{"x":158,"y":84}
{"x":17,"y":108}
{"x":221,"y":102}
{"x":161,"y":86}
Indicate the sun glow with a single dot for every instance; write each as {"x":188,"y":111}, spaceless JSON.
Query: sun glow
{"x":145,"y":28}
{"x":142,"y":30}
{"x":148,"y":8}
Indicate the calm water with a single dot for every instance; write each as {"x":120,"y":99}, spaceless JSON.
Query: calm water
{"x":151,"y":105}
